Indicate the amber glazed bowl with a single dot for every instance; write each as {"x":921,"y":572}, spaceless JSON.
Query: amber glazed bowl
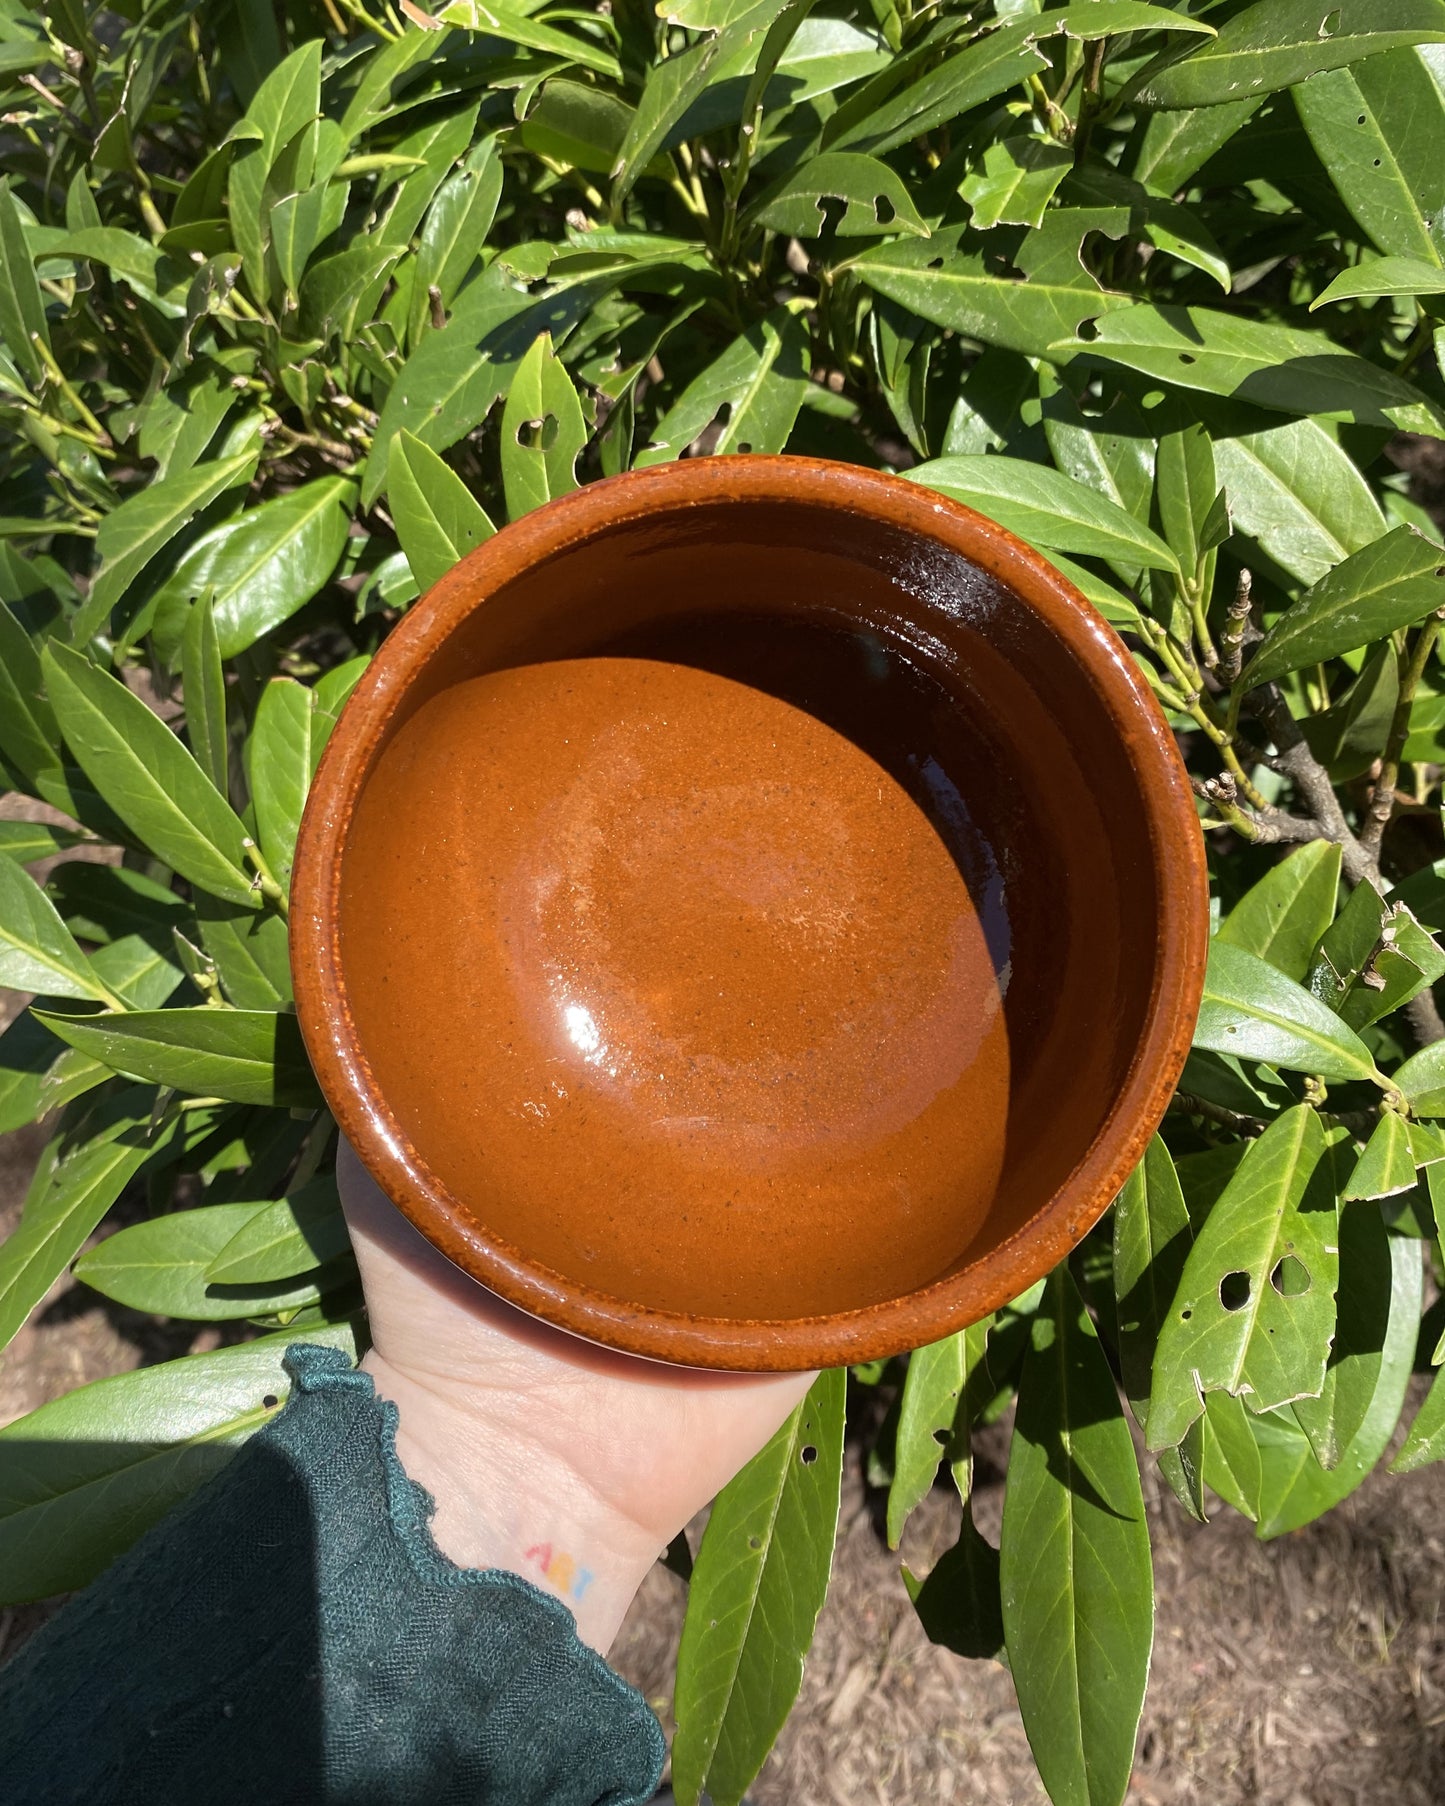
{"x":752,"y":914}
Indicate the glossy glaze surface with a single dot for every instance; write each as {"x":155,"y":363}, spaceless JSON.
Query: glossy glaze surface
{"x":666,"y":973}
{"x":749,"y":569}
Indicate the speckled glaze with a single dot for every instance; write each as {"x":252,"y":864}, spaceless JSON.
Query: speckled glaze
{"x":752,"y":914}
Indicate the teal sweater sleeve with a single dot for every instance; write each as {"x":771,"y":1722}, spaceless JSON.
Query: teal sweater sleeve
{"x":291,"y":1633}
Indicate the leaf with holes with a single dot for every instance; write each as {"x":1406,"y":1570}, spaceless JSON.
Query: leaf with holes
{"x":940,"y":1395}
{"x":148,"y":778}
{"x":1374,"y":127}
{"x":542,"y":432}
{"x":1363,"y":1306}
{"x":1294,"y":1488}
{"x":760,"y":381}
{"x":1253,"y":1011}
{"x":1282,"y":918}
{"x":1395,"y":581}
{"x":74,"y":1495}
{"x":1152,"y":1239}
{"x":246,"y":1056}
{"x":1283,"y":368}
{"x":1255,"y":1311}
{"x":1276,"y":43}
{"x":1077,"y":1581}
{"x":874,"y":199}
{"x":757,"y":1588}
{"x":1014,"y":182}
{"x":932,"y":279}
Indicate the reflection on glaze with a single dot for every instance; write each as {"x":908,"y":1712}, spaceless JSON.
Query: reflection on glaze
{"x":633,"y":930}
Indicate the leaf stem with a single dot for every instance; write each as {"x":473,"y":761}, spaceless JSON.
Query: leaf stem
{"x":265,"y":879}
{"x":1382,"y":796}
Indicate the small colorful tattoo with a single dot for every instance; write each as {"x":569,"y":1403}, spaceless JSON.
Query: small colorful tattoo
{"x":561,"y":1569}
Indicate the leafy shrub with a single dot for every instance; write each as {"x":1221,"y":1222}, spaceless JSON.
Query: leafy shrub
{"x":289,"y":322}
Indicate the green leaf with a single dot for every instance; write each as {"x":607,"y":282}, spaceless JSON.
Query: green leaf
{"x":260,"y":568}
{"x":203,"y":685}
{"x":1282,"y":918}
{"x":1350,"y":735}
{"x":757,"y":1588}
{"x":247,"y":1056}
{"x":26,"y":841}
{"x":1015,"y":181}
{"x":542,"y":431}
{"x":1425,"y":1442}
{"x":497,"y":20}
{"x":1094,"y":19}
{"x":760,"y":379}
{"x":1422,"y":1080}
{"x":1046,"y":508}
{"x":1294,"y":1488}
{"x":33,"y":1079}
{"x":1363,"y":1305}
{"x":74,"y":1495}
{"x":67,"y":1200}
{"x":450,"y":382}
{"x":37,"y":951}
{"x":1231,"y":1454}
{"x":438,"y":521}
{"x":875,"y":199}
{"x":1188,"y":491}
{"x":934,"y":1420}
{"x":1390,"y":584}
{"x":1253,"y":1011}
{"x":1277,"y":43}
{"x":289,"y":1235}
{"x":577,"y":125}
{"x":339,"y":292}
{"x":959,"y":1603}
{"x":963,"y":294}
{"x":1078,"y":1591}
{"x":1253,"y":360}
{"x":1387,"y":1165}
{"x":1152,"y":1238}
{"x":132,"y":535}
{"x":288,"y":100}
{"x":987,"y":67}
{"x":148,"y":778}
{"x":1383,"y":276}
{"x":251,"y":952}
{"x":1176,"y":145}
{"x":22,"y":307}
{"x":1255,"y":1311}
{"x":281,"y":758}
{"x":1293,"y":488}
{"x":455,"y":233}
{"x":1374,"y":127}
{"x":161,"y":1266}
{"x":29,"y":737}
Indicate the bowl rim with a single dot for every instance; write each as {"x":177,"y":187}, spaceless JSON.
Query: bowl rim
{"x":754,"y":1344}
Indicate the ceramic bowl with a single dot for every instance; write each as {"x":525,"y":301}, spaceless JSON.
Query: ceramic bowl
{"x":752,"y":914}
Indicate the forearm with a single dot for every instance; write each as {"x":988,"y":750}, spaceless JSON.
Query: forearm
{"x":507,"y":1497}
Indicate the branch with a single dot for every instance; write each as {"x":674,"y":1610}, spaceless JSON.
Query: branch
{"x":1382,"y":797}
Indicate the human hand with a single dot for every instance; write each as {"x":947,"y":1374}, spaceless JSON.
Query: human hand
{"x":567,"y":1463}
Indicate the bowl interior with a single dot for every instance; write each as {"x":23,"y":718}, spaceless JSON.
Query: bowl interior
{"x":1003,"y":910}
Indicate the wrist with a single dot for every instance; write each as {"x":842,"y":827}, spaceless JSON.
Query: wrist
{"x":507,"y":1498}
